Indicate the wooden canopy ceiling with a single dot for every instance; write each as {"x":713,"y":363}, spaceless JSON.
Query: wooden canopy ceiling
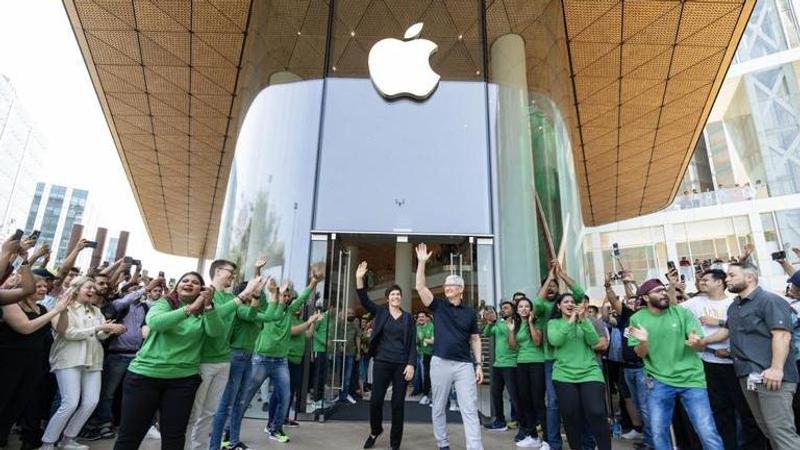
{"x":634,"y":79}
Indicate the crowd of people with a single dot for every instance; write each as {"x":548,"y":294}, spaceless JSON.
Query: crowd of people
{"x":112,"y":353}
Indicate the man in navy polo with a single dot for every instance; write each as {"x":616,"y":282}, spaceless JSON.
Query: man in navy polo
{"x":456,"y":330}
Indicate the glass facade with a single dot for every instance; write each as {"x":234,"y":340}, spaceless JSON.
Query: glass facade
{"x":331,"y":155}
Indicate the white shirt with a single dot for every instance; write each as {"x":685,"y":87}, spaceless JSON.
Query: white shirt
{"x":701,"y":305}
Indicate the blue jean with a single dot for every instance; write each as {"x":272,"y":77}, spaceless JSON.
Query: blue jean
{"x":114,"y":368}
{"x":230,"y":403}
{"x":553,"y":437}
{"x":661,"y":405}
{"x":635,"y":380}
{"x":263,"y":367}
{"x":349,"y":361}
{"x":418,"y":371}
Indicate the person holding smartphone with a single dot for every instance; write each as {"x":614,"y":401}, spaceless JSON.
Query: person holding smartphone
{"x":165,"y":374}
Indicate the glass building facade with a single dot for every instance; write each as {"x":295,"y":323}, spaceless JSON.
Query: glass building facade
{"x":741,"y":186}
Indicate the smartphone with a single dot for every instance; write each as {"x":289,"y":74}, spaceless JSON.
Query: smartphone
{"x":671,"y":265}
{"x":136,"y":262}
{"x":91,"y":244}
{"x":17,"y":235}
{"x":127,"y":260}
{"x":683,"y":277}
{"x":777,"y":256}
{"x":161,"y":274}
{"x":698,"y":268}
{"x":615,"y":249}
{"x":34,"y":235}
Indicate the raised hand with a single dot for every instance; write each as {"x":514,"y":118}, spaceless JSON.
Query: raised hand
{"x":252,"y":286}
{"x":272,"y":285}
{"x":317,"y":273}
{"x":423,"y":255}
{"x":748,"y":249}
{"x":40,"y":252}
{"x":285,"y":286}
{"x":260,"y":263}
{"x":27,"y":243}
{"x":361,"y":270}
{"x":796,"y":251}
{"x":63,"y":302}
{"x":511,"y":325}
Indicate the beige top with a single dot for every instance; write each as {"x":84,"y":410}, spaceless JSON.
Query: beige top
{"x":80,"y":345}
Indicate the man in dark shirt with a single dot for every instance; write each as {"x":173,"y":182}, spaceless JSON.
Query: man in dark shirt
{"x":759,"y":326}
{"x":456,"y":331}
{"x":632,"y":365}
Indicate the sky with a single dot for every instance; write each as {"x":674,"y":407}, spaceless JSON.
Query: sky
{"x":39,"y":54}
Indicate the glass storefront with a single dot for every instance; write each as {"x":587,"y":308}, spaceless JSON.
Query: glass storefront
{"x":327,"y":171}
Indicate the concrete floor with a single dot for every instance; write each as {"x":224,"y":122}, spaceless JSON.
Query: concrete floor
{"x":346,"y":436}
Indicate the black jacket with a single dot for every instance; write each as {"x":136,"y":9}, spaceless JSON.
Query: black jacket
{"x":381,"y":315}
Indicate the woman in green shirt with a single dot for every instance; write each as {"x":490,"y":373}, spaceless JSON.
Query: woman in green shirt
{"x":577,"y":377}
{"x":164,"y":376}
{"x":530,"y":375}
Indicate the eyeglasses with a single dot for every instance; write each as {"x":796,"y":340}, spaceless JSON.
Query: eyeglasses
{"x":229,"y":269}
{"x":453,"y":285}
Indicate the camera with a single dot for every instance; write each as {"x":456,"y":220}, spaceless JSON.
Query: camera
{"x":615,"y":250}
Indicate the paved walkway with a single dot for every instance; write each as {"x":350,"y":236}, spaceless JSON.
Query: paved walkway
{"x":346,"y":436}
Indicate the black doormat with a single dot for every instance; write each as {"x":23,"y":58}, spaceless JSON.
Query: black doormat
{"x":414,"y":413}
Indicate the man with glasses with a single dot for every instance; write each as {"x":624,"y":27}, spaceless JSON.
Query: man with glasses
{"x":456,"y":329}
{"x":215,"y":357}
{"x":663,"y":336}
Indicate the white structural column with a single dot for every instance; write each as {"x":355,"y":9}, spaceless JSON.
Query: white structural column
{"x":518,"y":234}
{"x":403,"y":268}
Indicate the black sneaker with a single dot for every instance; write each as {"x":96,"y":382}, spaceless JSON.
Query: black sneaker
{"x":90,"y":435}
{"x":370,"y":442}
{"x":107,"y":433}
{"x":521,"y":435}
{"x":240,"y":446}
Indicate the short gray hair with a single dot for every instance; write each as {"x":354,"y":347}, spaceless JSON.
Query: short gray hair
{"x":454,"y":279}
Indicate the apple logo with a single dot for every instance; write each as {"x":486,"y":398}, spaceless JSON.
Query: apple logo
{"x":402,"y":68}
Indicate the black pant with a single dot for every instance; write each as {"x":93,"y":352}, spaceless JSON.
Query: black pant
{"x":726,"y":402}
{"x":384,"y":373}
{"x":577,"y":401}
{"x":321,"y":371}
{"x":615,"y":382}
{"x":295,"y":377}
{"x":23,"y":370}
{"x":530,"y":397}
{"x":426,"y":379}
{"x":503,"y":378}
{"x":143,"y":396}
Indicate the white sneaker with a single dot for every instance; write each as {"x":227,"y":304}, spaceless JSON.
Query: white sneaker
{"x":632,"y":435}
{"x":528,"y":442}
{"x":153,"y":433}
{"x":47,"y":447}
{"x":351,"y":399}
{"x":71,"y":444}
{"x":424,"y":400}
{"x":453,"y":406}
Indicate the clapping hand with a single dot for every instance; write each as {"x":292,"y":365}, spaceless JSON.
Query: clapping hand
{"x":511,"y":325}
{"x":63,"y":302}
{"x":639,"y":334}
{"x":260,"y":263}
{"x":694,"y":342}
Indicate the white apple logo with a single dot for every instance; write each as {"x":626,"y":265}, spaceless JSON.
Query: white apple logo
{"x":402,"y":68}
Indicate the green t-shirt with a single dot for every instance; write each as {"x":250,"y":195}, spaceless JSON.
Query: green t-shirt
{"x":424,"y":332}
{"x":573,"y":345}
{"x":543,"y":309}
{"x":218,"y":349}
{"x":297,"y":343}
{"x":175,"y":341}
{"x":504,"y":355}
{"x":273,"y":340}
{"x":669,"y":360}
{"x":527,"y":350}
{"x":321,"y":334}
{"x":246,"y":327}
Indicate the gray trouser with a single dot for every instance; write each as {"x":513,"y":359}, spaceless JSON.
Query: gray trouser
{"x":773,"y":413}
{"x":444,"y":374}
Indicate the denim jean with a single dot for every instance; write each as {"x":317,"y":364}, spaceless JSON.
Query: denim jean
{"x":263,"y":367}
{"x":349,"y":361}
{"x":230,"y":404}
{"x":661,"y":405}
{"x":418,"y":375}
{"x":553,"y":437}
{"x":114,"y":368}
{"x":635,"y":380}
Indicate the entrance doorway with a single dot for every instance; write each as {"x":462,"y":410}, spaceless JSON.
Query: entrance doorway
{"x":333,"y":375}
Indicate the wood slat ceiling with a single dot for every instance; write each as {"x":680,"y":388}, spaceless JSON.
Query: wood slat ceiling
{"x":634,"y":79}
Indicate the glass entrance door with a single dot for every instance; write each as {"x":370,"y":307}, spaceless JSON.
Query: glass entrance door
{"x":335,"y":372}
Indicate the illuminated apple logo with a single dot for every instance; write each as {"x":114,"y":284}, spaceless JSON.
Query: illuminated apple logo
{"x":402,"y":68}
